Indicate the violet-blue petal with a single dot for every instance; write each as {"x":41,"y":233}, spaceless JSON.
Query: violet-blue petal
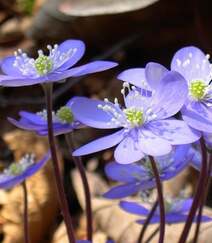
{"x":23,"y":124}
{"x":175,"y":131}
{"x":124,"y":173}
{"x":8,"y":67}
{"x":32,"y":117}
{"x":173,"y":219}
{"x":76,"y":45}
{"x":87,"y":112}
{"x":192,"y":63}
{"x":135,"y":76}
{"x":152,"y":144}
{"x":154,"y":73}
{"x":198,"y":116}
{"x":128,"y":151}
{"x":170,"y":95}
{"x":92,"y":67}
{"x":100,"y":144}
{"x":182,"y":206}
{"x":8,"y":81}
{"x":121,"y":191}
{"x":134,"y":208}
{"x":10,"y":181}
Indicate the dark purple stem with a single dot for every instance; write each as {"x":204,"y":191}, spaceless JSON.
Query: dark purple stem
{"x":160,"y":200}
{"x":203,"y":199}
{"x":88,"y":206}
{"x":146,"y":223}
{"x":26,"y":223}
{"x":59,"y":182}
{"x":199,"y":193}
{"x":149,"y":240}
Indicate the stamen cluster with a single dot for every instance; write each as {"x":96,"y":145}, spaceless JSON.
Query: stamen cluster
{"x":16,"y":168}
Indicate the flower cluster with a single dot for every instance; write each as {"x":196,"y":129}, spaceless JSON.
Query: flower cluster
{"x":17,"y":172}
{"x":63,"y":121}
{"x":21,"y":70}
{"x":157,"y":126}
{"x":138,"y":177}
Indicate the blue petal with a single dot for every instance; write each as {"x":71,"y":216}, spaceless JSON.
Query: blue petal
{"x":100,"y":144}
{"x":64,"y":47}
{"x":198,"y":116}
{"x":8,"y":68}
{"x":181,"y":160}
{"x":92,"y":67}
{"x":134,"y":208}
{"x":154,"y":73}
{"x":152,"y":144}
{"x":87,"y":112}
{"x":24,"y":124}
{"x":125,"y":173}
{"x":8,"y":81}
{"x":128,"y":151}
{"x":175,"y":131}
{"x":122,"y":191}
{"x":170,"y":95}
{"x":182,"y":206}
{"x":33,"y":118}
{"x":8,"y":182}
{"x":192,"y":63}
{"x":135,"y":76}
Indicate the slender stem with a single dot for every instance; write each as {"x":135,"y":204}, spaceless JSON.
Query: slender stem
{"x":59,"y":182}
{"x":80,"y":167}
{"x":26,"y":223}
{"x":203,"y":199}
{"x":199,"y":193}
{"x":160,"y":200}
{"x":147,"y":221}
{"x":152,"y":235}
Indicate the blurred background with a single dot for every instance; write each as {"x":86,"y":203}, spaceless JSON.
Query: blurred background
{"x":130,"y":32}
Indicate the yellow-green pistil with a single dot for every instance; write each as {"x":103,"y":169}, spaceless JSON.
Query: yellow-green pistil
{"x":65,"y":114}
{"x":43,"y":64}
{"x":134,"y":116}
{"x":15,"y":169}
{"x":197,"y":89}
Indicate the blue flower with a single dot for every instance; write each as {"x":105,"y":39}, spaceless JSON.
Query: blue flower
{"x":145,"y":129}
{"x":193,"y":64}
{"x":18,"y":172}
{"x":137,"y":177}
{"x":176,"y":211}
{"x":63,"y":121}
{"x":21,"y":70}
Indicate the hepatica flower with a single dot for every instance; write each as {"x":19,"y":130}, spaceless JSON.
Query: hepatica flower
{"x":21,"y":70}
{"x":176,"y":211}
{"x":63,"y":121}
{"x":20,"y":171}
{"x":144,"y":127}
{"x":194,"y":65}
{"x":139,"y":176}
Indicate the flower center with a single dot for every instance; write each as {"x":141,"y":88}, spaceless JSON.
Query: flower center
{"x":197,"y":89}
{"x":65,"y":115}
{"x":134,"y":116}
{"x":15,"y":169}
{"x":19,"y":167}
{"x":43,"y":64}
